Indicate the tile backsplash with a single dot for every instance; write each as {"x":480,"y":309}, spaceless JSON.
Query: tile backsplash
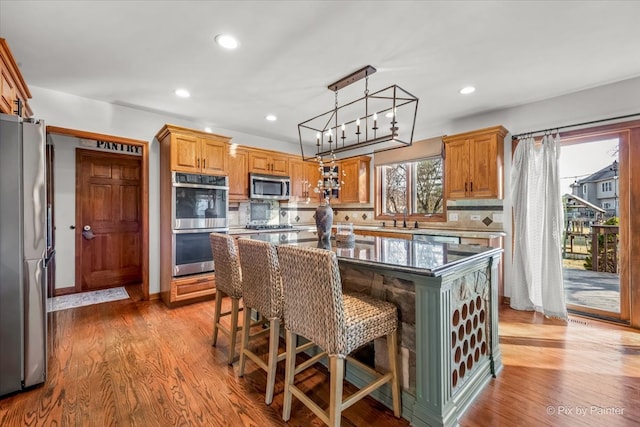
{"x":483,"y":215}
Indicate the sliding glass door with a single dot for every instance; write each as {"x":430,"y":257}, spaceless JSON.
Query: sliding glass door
{"x":594,"y":178}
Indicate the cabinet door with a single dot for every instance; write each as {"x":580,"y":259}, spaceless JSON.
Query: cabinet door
{"x":312,"y":175}
{"x":192,"y":287}
{"x":185,"y":153}
{"x":279,"y":165}
{"x":298,"y":181}
{"x":304,"y":179}
{"x":239,"y":174}
{"x":330,"y":180}
{"x":355,"y":175}
{"x":456,"y":167}
{"x":7,"y":91}
{"x":483,"y":174}
{"x":390,"y":234}
{"x":259,"y":162}
{"x":267,"y":163}
{"x":213,"y":156}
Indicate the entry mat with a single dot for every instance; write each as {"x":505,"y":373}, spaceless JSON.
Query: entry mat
{"x":85,"y":298}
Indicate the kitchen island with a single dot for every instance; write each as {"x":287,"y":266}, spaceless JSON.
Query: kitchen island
{"x":446,"y":296}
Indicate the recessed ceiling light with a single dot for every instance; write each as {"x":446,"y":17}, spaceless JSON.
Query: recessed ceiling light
{"x":467,"y":90}
{"x":271,"y":117}
{"x":182,"y":93}
{"x":227,"y":41}
{"x":208,"y":130}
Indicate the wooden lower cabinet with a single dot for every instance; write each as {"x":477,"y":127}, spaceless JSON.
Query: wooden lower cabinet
{"x":378,"y":233}
{"x":188,"y":288}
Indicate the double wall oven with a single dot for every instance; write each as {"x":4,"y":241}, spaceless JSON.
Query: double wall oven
{"x":199,"y":206}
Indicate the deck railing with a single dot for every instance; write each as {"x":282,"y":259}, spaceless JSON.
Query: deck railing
{"x":604,"y":248}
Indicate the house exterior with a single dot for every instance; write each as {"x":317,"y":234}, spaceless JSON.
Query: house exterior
{"x":600,"y":189}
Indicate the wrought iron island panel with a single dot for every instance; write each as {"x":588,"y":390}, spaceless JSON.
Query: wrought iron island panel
{"x":447,"y":302}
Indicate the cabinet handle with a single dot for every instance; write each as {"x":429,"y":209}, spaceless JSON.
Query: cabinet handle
{"x":204,"y":163}
{"x":472,"y":186}
{"x":465,"y":187}
{"x":198,"y":163}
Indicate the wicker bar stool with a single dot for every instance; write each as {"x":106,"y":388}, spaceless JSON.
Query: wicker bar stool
{"x":228,"y":282}
{"x":262,"y":292}
{"x":316,"y":308}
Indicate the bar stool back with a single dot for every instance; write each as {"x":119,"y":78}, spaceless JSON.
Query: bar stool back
{"x":228,"y":282}
{"x":316,"y":308}
{"x":262,"y":292}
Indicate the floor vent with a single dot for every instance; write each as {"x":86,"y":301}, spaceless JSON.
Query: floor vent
{"x":579,"y":322}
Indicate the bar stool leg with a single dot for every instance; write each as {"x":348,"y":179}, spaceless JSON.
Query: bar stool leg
{"x":289,"y":372}
{"x":272,"y":364}
{"x":245,"y":339}
{"x":335,"y":394}
{"x":216,"y":316}
{"x":235,"y":307}
{"x":392,"y":347}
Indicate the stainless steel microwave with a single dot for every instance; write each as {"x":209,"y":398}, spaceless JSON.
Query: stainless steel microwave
{"x":269,"y":187}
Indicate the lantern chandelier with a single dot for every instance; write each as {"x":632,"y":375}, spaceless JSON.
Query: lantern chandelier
{"x":378,"y":121}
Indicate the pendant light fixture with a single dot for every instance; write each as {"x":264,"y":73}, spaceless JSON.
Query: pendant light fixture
{"x":378,"y":121}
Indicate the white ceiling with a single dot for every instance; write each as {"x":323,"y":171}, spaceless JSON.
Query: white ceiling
{"x":136,"y":53}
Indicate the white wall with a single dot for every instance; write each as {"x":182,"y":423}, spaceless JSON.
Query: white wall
{"x":69,"y":111}
{"x":612,"y":100}
{"x":59,"y":109}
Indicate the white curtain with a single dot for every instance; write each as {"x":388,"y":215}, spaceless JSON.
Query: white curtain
{"x":538,"y":220}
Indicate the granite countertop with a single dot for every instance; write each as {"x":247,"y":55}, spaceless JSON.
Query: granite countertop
{"x":294,"y":229}
{"x":434,"y":231}
{"x":426,"y":258}
{"x":423,"y":231}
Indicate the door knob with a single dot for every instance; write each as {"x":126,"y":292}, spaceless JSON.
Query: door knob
{"x":87,"y":233}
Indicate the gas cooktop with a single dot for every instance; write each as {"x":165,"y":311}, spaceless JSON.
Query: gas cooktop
{"x":269,"y":226}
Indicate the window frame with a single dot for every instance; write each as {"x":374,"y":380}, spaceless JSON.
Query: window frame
{"x":410,"y":193}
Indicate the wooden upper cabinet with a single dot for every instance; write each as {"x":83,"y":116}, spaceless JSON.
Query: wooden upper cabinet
{"x":214,"y":155}
{"x":268,"y":162}
{"x":457,"y":158}
{"x":197,"y":152}
{"x":304,"y":179}
{"x":355,"y":175}
{"x":185,"y":153}
{"x":12,"y":85}
{"x":473,"y":165}
{"x":238,"y":174}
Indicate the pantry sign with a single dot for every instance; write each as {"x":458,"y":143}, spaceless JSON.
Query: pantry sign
{"x":113,"y":147}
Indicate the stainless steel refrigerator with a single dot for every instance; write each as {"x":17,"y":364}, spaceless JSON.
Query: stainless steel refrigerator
{"x":26,"y":250}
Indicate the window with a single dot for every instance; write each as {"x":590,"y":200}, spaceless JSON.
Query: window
{"x":605,"y":205}
{"x":415,"y":186}
{"x":584,"y":189}
{"x":606,"y":186}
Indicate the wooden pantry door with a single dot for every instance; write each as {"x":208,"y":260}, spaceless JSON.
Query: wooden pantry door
{"x":108,"y":220}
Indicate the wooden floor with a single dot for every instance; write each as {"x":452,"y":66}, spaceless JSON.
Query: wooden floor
{"x":137,"y":363}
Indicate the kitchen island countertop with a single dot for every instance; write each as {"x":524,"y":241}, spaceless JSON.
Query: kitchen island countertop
{"x":419,"y":257}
